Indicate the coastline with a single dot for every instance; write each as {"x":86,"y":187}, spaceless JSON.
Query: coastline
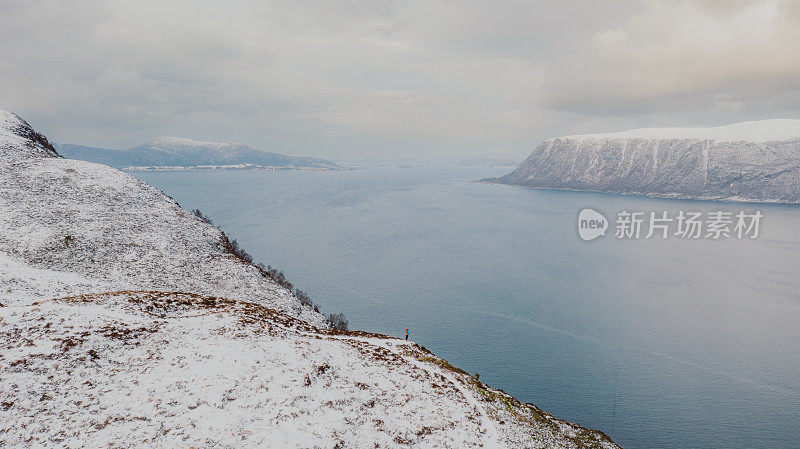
{"x":238,"y":167}
{"x":731,"y":200}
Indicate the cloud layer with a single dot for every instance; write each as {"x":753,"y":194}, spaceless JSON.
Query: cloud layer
{"x":387,"y":78}
{"x":684,"y":55}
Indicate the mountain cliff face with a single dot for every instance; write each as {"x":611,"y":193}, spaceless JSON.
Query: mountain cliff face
{"x":753,"y":161}
{"x":126,"y":323}
{"x":179,"y":152}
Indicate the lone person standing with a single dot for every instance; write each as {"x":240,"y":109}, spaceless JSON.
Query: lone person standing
{"x":406,"y":334}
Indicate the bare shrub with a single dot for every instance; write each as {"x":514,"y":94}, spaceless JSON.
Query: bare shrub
{"x":336,"y":321}
{"x":200,"y":215}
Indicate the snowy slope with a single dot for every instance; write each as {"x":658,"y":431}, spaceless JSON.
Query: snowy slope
{"x":18,"y":139}
{"x":752,"y":161}
{"x":143,"y":369}
{"x":79,"y":217}
{"x":125,"y":324}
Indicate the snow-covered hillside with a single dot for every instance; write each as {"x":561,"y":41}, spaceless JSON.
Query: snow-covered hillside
{"x":752,"y":161}
{"x":154,"y":369}
{"x":125,"y":323}
{"x":17,"y":137}
{"x":66,"y":215}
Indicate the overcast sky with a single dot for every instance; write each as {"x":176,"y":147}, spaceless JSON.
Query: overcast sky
{"x":385,"y":79}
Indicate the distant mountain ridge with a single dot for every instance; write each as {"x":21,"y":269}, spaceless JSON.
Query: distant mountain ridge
{"x":752,"y":161}
{"x":181,"y":152}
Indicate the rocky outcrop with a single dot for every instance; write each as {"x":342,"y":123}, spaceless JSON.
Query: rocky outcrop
{"x":754,"y":163}
{"x":19,"y":140}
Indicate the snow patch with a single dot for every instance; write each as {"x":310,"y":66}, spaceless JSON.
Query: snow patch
{"x":184,"y":143}
{"x":754,"y":131}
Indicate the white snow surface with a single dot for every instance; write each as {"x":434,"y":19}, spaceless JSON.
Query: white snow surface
{"x":8,"y":121}
{"x":124,"y":323}
{"x":178,"y":145}
{"x":160,"y":369}
{"x":754,"y":131}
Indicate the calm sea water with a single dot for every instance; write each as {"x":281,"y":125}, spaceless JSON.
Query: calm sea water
{"x":658,"y":343}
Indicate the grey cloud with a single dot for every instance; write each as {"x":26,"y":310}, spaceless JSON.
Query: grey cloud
{"x":372,"y":78}
{"x":683,"y":56}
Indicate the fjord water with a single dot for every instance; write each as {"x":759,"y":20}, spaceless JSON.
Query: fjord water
{"x":658,"y":343}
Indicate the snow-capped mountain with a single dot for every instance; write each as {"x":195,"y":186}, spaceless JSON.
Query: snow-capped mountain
{"x":180,"y":152}
{"x":125,"y":321}
{"x":752,"y":161}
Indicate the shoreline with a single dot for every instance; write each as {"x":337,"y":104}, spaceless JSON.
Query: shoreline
{"x":732,"y":200}
{"x":245,"y":167}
